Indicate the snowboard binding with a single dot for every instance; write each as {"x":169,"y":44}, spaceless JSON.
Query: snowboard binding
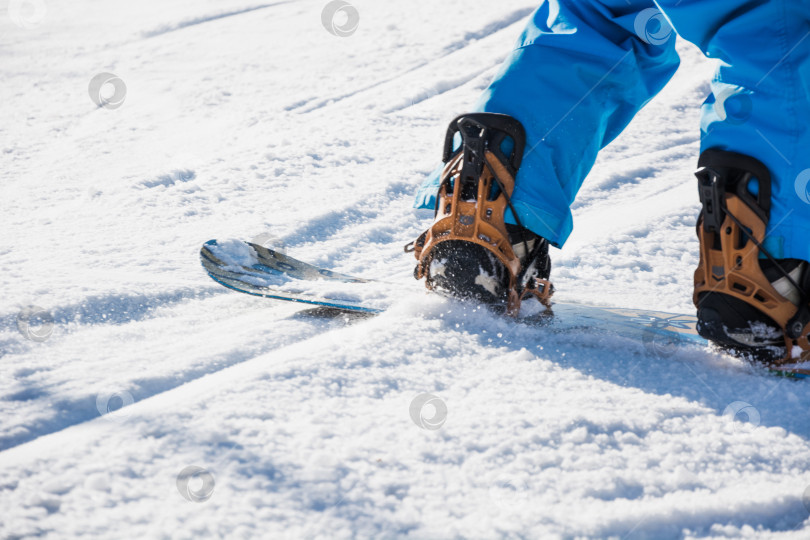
{"x":733,"y":292}
{"x":468,"y":250}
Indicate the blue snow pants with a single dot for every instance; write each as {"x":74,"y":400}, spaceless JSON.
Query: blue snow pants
{"x":583,"y":68}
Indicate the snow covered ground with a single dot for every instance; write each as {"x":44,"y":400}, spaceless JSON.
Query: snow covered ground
{"x":243,"y":118}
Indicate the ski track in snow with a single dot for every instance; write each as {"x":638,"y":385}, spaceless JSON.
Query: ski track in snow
{"x":205,"y":19}
{"x":264,"y":122}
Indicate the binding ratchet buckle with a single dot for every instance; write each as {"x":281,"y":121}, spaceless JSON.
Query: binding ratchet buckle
{"x":735,"y":191}
{"x":476,"y":189}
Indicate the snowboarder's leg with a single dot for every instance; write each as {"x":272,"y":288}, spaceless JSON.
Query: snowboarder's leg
{"x":579,"y":73}
{"x":745,"y":303}
{"x":755,"y":235}
{"x":760,"y":101}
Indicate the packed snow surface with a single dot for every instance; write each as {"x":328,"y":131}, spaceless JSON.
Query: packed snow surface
{"x":139,"y":399}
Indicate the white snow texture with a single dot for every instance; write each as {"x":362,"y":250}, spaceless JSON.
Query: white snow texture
{"x":143,"y":400}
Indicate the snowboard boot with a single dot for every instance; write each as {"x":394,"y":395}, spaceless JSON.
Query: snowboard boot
{"x":748,"y":302}
{"x":467,"y":270}
{"x":469,"y":251}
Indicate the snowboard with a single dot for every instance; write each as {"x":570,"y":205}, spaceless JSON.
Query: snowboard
{"x":260,"y":271}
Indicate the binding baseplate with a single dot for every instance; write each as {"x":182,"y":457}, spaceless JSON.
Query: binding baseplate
{"x":735,"y":191}
{"x":476,"y":189}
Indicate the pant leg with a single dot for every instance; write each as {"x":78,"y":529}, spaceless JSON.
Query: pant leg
{"x":579,"y":73}
{"x":760,"y":101}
